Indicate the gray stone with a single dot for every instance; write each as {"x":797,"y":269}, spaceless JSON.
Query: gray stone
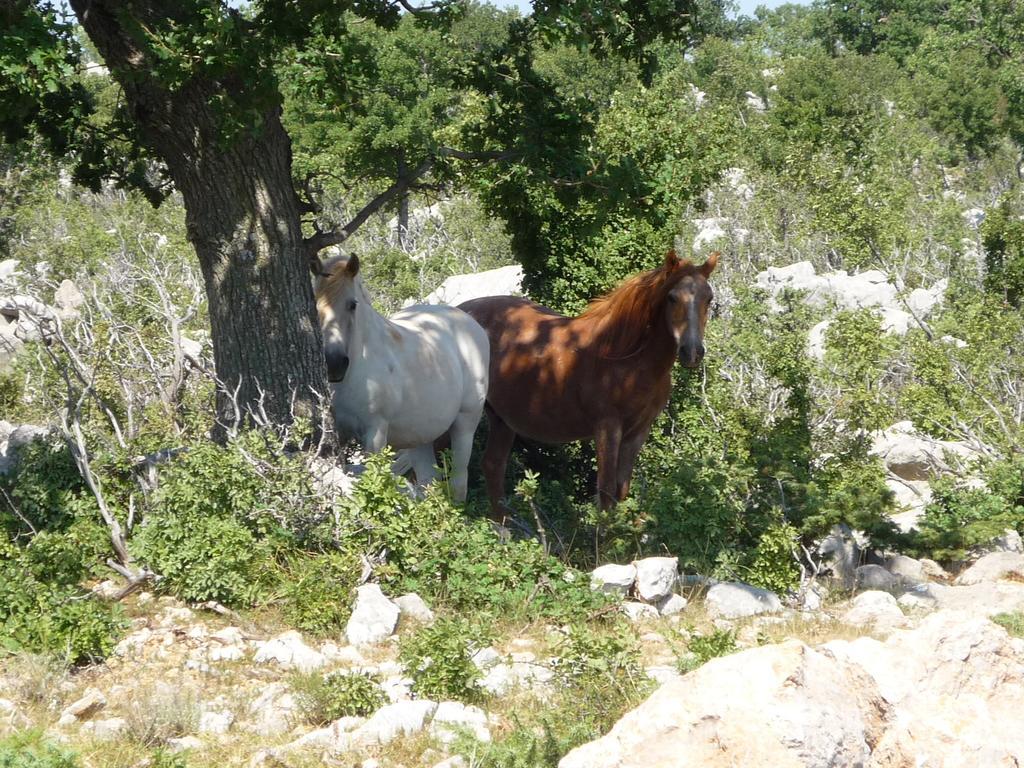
{"x":662,"y":673}
{"x":503,"y":281}
{"x":273,"y":711}
{"x":908,"y":569}
{"x":374,"y":617}
{"x":335,"y":738}
{"x":397,"y":688}
{"x":613,"y":578}
{"x":85,"y":707}
{"x":183,"y":744}
{"x":216,"y":721}
{"x":68,"y":299}
{"x":23,"y":434}
{"x":671,"y":605}
{"x":8,"y":268}
{"x":502,"y":678}
{"x":486,"y":658}
{"x":290,"y":651}
{"x":402,"y":718}
{"x":412,"y":606}
{"x":777,"y":705}
{"x":1010,"y":541}
{"x":871,"y":577}
{"x":913,"y":456}
{"x":875,"y":609}
{"x":656,"y":577}
{"x":993,"y":567}
{"x":734,"y":600}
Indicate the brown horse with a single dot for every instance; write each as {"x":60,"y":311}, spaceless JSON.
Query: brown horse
{"x":604,"y":375}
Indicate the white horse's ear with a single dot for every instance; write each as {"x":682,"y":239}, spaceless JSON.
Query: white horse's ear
{"x":352,"y":265}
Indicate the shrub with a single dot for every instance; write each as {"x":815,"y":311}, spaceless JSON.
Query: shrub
{"x":774,"y":565}
{"x":30,"y":750}
{"x":158,"y":712}
{"x":324,"y":698}
{"x":434,"y":551}
{"x":600,"y":668}
{"x":960,"y":517}
{"x":211,"y":527}
{"x":439,"y":660}
{"x":37,"y":677}
{"x":317,"y":590}
{"x":703,"y":648}
{"x":51,"y":617}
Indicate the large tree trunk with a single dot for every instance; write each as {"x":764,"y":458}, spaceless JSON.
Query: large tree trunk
{"x":242,"y":213}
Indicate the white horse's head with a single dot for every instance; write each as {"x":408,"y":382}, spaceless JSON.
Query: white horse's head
{"x":341,"y":302}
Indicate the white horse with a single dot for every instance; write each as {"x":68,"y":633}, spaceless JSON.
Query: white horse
{"x":402,"y":381}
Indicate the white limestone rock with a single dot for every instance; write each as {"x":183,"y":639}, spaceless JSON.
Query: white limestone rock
{"x":733,"y":600}
{"x":374,"y":617}
{"x":656,"y":577}
{"x":290,"y":651}
{"x":612,"y":578}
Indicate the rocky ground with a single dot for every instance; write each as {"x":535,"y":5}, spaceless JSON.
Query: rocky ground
{"x":912,"y":675}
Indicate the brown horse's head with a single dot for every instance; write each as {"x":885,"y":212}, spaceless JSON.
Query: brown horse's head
{"x":687,"y":304}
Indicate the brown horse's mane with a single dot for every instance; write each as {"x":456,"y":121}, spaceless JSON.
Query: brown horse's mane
{"x":623,"y":316}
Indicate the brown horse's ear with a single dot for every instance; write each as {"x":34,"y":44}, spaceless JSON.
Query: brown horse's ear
{"x":671,"y":260}
{"x":709,"y":266}
{"x":352,"y":265}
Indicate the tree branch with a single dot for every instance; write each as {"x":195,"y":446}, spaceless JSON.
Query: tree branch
{"x":403,"y":184}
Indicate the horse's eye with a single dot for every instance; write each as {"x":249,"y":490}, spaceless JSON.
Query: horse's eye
{"x":672,"y":298}
{"x":352,"y":305}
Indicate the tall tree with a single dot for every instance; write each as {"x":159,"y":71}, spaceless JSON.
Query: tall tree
{"x":203,"y":100}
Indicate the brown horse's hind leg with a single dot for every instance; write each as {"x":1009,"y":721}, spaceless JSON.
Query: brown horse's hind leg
{"x":499,"y":444}
{"x":608,"y":437}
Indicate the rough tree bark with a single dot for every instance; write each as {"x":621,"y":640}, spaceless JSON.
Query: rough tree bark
{"x":242,"y":214}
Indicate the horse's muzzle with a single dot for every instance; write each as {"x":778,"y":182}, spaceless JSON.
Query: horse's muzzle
{"x":337,"y":365}
{"x":691,"y":357}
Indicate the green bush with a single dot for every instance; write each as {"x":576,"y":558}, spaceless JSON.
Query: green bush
{"x":30,"y":749}
{"x":434,"y":551}
{"x":317,"y":590}
{"x":59,"y":618}
{"x":50,"y":541}
{"x":325,"y":698}
{"x":219,"y":517}
{"x":960,"y":517}
{"x":439,"y":660}
{"x":703,"y":648}
{"x":774,"y":564}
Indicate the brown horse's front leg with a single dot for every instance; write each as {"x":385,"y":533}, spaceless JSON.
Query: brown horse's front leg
{"x":628,"y":452}
{"x":607,"y":440}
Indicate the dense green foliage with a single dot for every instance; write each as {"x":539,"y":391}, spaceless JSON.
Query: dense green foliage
{"x":51,"y":541}
{"x":439,"y":659}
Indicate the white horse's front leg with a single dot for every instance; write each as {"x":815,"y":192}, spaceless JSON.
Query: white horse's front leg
{"x":376,"y":436}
